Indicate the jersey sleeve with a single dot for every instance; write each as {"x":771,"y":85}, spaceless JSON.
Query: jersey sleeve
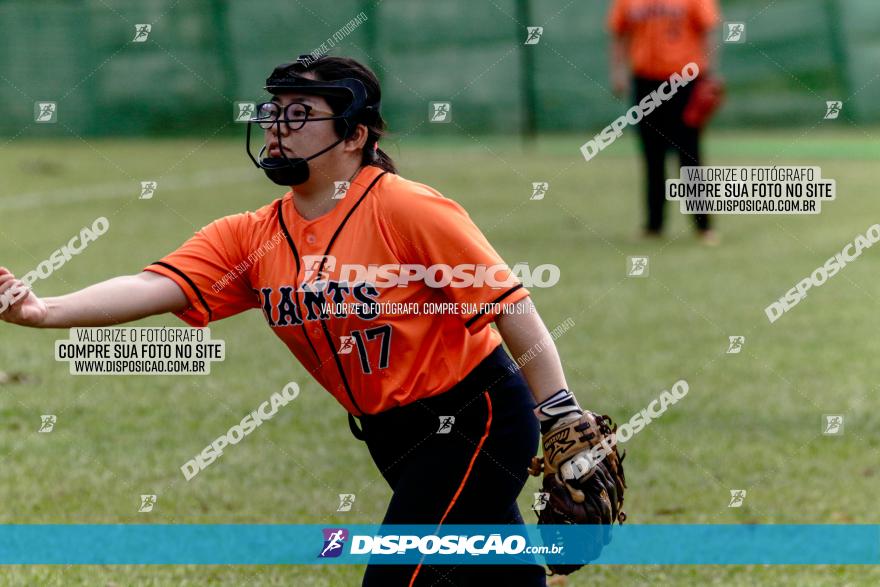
{"x":617,"y":23}
{"x":430,"y":229}
{"x":706,"y":14}
{"x":213,"y":271}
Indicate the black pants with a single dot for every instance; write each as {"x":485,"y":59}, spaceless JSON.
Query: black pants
{"x":661,"y":131}
{"x":470,"y":475}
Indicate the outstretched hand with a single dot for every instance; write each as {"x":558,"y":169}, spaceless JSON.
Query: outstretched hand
{"x":18,"y":304}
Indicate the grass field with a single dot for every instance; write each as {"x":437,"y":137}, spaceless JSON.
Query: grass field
{"x":751,"y":420}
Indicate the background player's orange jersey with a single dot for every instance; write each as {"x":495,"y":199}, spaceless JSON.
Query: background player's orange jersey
{"x":665,"y":35}
{"x":369,"y":363}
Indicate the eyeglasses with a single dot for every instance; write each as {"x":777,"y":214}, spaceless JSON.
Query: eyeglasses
{"x":295,"y":115}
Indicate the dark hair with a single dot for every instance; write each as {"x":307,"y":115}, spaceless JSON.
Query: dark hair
{"x":328,"y":68}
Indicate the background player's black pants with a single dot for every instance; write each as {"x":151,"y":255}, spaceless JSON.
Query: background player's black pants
{"x":661,"y":131}
{"x":472,"y":475}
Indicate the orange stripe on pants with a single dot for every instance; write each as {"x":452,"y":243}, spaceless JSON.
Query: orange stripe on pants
{"x":464,"y":480}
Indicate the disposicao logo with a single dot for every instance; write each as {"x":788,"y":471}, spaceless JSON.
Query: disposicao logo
{"x":334,"y":539}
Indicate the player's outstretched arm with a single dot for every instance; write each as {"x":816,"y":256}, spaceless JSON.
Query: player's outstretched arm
{"x":524,"y":331}
{"x":583,"y":471}
{"x":115,"y":301}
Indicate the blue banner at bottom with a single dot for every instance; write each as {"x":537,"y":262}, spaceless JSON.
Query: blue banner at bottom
{"x":267,"y":544}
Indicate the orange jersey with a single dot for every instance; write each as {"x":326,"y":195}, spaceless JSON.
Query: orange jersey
{"x":664,"y":35}
{"x":295,"y":270}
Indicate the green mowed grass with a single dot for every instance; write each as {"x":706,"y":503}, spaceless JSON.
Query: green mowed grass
{"x":750,"y":421}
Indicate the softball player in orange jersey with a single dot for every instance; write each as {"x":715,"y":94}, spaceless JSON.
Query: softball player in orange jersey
{"x":655,"y":39}
{"x":399,"y":374}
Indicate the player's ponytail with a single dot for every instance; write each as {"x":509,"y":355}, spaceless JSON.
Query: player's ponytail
{"x":381,"y":159}
{"x":329,"y":68}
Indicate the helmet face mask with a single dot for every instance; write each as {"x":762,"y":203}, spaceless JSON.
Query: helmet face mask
{"x":286,"y":171}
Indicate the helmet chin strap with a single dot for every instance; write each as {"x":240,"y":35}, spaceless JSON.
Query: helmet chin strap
{"x":289,"y":172}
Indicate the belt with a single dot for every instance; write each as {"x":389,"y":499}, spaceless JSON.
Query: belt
{"x":493,"y":369}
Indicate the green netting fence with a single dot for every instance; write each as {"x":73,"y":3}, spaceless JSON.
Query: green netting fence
{"x":202,"y":56}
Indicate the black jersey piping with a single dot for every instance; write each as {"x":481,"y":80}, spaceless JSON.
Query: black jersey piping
{"x":296,"y":285}
{"x":495,"y":301}
{"x":326,"y":330}
{"x":189,"y":282}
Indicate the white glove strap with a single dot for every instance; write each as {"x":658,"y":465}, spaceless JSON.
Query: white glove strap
{"x":555,"y":407}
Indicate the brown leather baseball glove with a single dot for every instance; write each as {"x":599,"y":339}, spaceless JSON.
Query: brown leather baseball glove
{"x":707,"y":97}
{"x":583,"y":481}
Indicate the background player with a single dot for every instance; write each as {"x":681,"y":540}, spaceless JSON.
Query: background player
{"x":406,"y":373}
{"x":651,"y":40}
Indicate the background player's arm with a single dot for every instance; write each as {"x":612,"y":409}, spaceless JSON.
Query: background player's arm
{"x":621,"y":37}
{"x":708,"y":18}
{"x":711,"y":47}
{"x":619,"y":65}
{"x":115,"y":301}
{"x":522,"y":329}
